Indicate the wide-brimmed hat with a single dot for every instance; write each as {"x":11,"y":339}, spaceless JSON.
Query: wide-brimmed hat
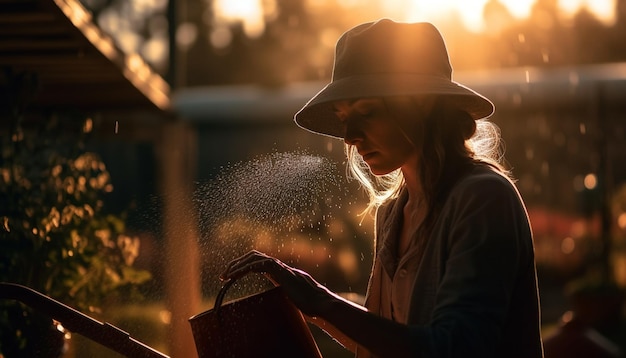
{"x":387,"y":58}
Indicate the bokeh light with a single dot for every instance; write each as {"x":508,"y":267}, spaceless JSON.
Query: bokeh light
{"x":590,"y":181}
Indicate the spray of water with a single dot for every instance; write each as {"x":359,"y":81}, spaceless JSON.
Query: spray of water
{"x":268,"y":204}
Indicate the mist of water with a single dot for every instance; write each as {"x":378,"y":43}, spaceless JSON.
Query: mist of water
{"x":265,"y":204}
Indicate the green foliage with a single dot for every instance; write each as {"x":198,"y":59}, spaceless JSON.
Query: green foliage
{"x":55,"y":235}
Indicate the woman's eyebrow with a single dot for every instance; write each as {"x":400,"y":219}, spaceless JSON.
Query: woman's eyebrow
{"x":349,"y":102}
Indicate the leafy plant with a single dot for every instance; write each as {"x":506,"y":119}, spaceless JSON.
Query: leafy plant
{"x":55,"y":235}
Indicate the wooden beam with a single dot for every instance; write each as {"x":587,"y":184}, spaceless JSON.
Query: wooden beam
{"x":180,"y":227}
{"x":59,"y":42}
{"x":14,"y":45}
{"x":25,"y":18}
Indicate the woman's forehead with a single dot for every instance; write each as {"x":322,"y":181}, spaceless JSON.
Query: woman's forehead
{"x":344,"y":105}
{"x":347,"y":104}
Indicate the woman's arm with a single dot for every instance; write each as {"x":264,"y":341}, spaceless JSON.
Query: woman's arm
{"x":332,"y":331}
{"x":349,"y":324}
{"x":381,"y":337}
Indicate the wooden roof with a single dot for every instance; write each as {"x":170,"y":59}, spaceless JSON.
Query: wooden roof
{"x":77,"y":65}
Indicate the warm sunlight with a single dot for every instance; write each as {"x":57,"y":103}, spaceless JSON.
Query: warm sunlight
{"x":603,"y":9}
{"x":248,"y":12}
{"x":471,"y":11}
{"x":251,"y":12}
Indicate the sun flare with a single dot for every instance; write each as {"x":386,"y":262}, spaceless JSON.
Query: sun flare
{"x":248,"y":12}
{"x":251,"y":12}
{"x":471,"y":11}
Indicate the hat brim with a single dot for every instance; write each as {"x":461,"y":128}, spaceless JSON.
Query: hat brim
{"x":318,"y":115}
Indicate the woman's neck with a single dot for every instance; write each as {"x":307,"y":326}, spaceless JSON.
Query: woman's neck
{"x":413,"y":184}
{"x":413,"y":213}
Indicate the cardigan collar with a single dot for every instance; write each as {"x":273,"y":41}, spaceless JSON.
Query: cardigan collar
{"x":391,"y":231}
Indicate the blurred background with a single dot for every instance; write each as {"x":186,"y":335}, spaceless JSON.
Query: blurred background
{"x":146,"y":143}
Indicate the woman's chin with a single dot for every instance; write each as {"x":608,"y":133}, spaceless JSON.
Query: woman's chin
{"x":377,"y":171}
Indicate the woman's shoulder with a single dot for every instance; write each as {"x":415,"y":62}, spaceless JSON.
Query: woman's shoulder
{"x":483,"y":179}
{"x":486,"y":192}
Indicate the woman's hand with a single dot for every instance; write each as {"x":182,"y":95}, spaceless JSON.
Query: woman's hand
{"x":306,"y":293}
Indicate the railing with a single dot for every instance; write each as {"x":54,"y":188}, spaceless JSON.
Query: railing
{"x":77,"y":322}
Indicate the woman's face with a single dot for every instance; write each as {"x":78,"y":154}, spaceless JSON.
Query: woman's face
{"x":376,"y":134}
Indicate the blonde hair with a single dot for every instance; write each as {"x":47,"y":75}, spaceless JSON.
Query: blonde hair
{"x":454,"y":139}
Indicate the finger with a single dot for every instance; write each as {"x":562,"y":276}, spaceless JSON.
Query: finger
{"x":253,"y":261}
{"x":275,"y":270}
{"x":239,"y":262}
{"x":306,"y":277}
{"x":264,"y":265}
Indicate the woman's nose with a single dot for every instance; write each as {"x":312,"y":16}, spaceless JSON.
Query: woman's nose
{"x":353,"y":133}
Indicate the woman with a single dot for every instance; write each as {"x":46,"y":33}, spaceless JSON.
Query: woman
{"x":454,"y":272}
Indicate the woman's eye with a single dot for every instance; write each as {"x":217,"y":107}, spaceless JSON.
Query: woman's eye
{"x":341,"y":116}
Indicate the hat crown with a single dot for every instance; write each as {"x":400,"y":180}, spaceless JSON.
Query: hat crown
{"x":388,"y":47}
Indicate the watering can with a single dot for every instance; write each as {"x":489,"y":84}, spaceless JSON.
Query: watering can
{"x":265,"y":324}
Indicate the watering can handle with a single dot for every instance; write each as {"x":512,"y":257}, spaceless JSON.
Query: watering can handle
{"x":221,"y":294}
{"x":218,"y":332}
